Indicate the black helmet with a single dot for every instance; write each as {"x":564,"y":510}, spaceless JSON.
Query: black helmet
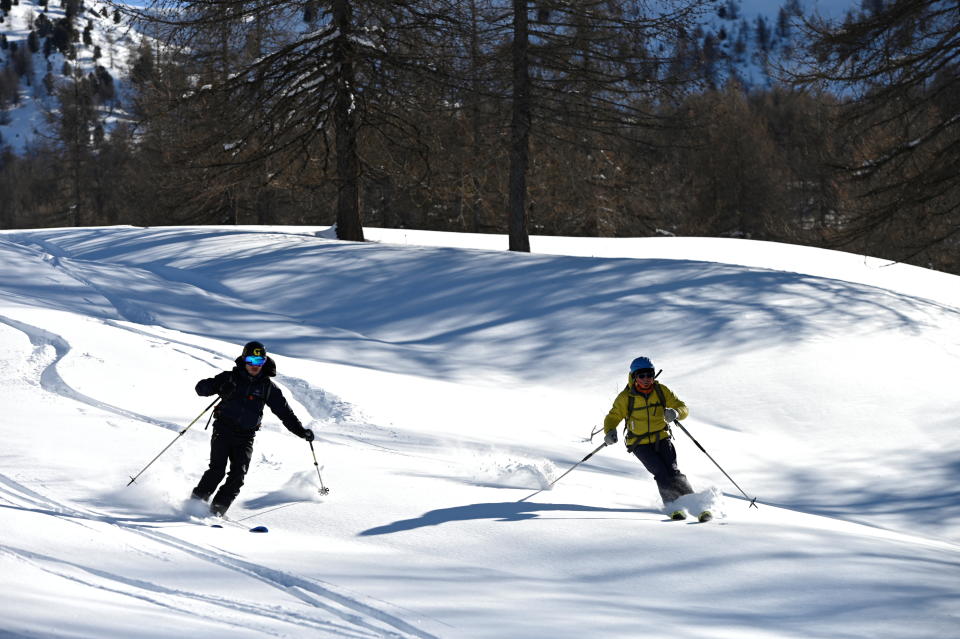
{"x":257,"y":349}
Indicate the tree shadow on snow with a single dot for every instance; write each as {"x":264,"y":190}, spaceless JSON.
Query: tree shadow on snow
{"x":499,"y":511}
{"x":927,"y":496}
{"x":437,"y":311}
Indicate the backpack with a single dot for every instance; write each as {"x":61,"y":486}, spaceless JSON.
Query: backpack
{"x":630,"y":403}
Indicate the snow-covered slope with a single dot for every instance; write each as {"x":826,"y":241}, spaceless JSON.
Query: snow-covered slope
{"x":749,"y":40}
{"x":105,"y":49}
{"x":739,"y":38}
{"x":446,"y":385}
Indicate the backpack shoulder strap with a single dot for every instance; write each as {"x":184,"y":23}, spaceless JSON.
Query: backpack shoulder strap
{"x":663,"y":399}
{"x":663,"y":406}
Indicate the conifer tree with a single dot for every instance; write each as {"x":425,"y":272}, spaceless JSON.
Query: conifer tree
{"x":301,"y":104}
{"x":897,"y":67}
{"x":588,"y":65}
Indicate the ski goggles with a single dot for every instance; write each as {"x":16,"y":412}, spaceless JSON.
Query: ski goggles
{"x":643,"y":375}
{"x":255,"y":360}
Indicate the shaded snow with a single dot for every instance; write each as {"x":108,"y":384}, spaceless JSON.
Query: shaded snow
{"x":447,"y":380}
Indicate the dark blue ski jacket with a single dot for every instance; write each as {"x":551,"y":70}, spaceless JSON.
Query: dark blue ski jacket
{"x":241,"y":409}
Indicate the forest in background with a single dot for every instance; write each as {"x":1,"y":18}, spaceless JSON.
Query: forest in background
{"x":596,"y":118}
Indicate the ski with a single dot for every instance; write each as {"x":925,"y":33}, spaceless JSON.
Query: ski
{"x":223,"y":520}
{"x":678,"y":515}
{"x":705,"y":516}
{"x":255,"y":529}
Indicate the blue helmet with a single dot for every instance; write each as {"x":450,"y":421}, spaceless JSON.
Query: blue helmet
{"x":640,"y":363}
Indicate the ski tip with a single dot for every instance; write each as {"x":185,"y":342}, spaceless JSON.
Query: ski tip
{"x":259,"y":529}
{"x":705,"y":516}
{"x":678,"y":515}
{"x":216,"y":525}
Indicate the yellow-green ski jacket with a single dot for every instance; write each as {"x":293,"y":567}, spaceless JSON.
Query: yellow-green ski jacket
{"x":645,"y":424}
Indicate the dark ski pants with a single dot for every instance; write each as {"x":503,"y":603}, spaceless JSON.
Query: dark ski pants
{"x":660,"y":459}
{"x":225,"y":446}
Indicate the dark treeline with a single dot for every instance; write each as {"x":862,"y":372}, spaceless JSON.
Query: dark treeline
{"x":590,"y":118}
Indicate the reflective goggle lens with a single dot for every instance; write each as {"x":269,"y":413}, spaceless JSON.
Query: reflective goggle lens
{"x":255,"y":360}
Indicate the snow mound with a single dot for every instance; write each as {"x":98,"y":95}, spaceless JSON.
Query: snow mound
{"x":149,"y":499}
{"x":508,"y":471}
{"x":695,"y":503}
{"x":195,"y":508}
{"x":301,"y":486}
{"x":320,"y":404}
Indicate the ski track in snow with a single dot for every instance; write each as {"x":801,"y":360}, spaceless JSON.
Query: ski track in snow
{"x":328,"y":409}
{"x":322,"y":406}
{"x":72,"y":268}
{"x":319,"y":404}
{"x":308,"y":605}
{"x":337,"y":615}
{"x":353,"y":617}
{"x":51,"y":381}
{"x":356,"y":618}
{"x":504,"y":468}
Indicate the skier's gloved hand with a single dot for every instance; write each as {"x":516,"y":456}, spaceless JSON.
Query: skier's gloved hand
{"x":669,"y":415}
{"x":611,"y":437}
{"x":226,"y":388}
{"x":308,"y":434}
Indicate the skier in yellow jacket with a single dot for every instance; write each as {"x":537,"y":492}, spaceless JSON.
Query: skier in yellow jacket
{"x":649,"y":408}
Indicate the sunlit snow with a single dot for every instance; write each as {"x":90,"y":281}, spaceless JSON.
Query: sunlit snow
{"x":447,"y":379}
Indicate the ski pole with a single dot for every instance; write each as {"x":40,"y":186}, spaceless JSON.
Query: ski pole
{"x":323,"y":489}
{"x":134,"y":478}
{"x":753,"y":501}
{"x":595,"y":451}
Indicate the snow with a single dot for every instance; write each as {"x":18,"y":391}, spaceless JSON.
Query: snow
{"x":26,"y":122}
{"x":832,"y":9}
{"x":448,"y":380}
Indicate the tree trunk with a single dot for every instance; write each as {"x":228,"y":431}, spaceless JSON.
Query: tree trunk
{"x":476,"y":199}
{"x":79,"y":123}
{"x":349,"y":225}
{"x":519,"y":132}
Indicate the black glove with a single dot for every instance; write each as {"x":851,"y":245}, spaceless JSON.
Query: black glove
{"x":611,"y":437}
{"x":226,"y":387}
{"x":308,"y":434}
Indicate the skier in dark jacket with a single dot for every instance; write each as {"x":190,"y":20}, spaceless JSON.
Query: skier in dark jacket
{"x":244,"y":391}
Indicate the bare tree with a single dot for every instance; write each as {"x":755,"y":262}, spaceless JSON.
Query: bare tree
{"x":590,"y":66}
{"x":897,"y":69}
{"x":302,"y":104}
{"x":520,"y":129}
